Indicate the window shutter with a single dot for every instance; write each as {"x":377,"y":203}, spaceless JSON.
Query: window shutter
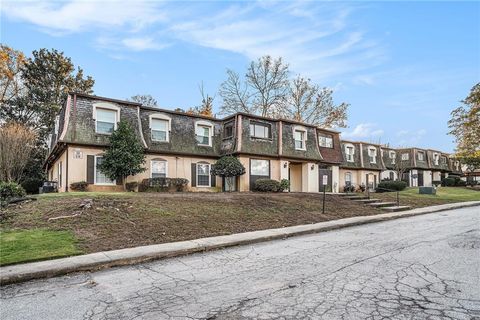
{"x":213,"y":180}
{"x":194,"y":174}
{"x":90,"y":169}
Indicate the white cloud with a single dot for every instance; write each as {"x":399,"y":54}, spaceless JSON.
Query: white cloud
{"x":315,"y":38}
{"x":363,"y":130}
{"x":411,"y":137}
{"x":79,"y":16}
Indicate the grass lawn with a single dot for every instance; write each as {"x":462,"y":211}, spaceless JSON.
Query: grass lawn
{"x":36,"y":244}
{"x":411,"y":197}
{"x":121,"y":220}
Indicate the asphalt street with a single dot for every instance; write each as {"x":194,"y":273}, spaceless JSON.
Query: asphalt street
{"x":423,"y":267}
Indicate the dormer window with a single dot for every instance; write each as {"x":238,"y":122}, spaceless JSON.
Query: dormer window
{"x":106,"y":121}
{"x":204,"y":133}
{"x":349,"y":152}
{"x":260,"y":130}
{"x":436,"y":158}
{"x":405,"y":156}
{"x":160,"y":127}
{"x":393,"y":156}
{"x":444,"y":160}
{"x":420,"y":156}
{"x":300,"y":137}
{"x":372,"y":154}
{"x":228,"y":130}
{"x":325,"y":140}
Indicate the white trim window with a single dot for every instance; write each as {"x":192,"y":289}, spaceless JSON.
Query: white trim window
{"x":300,"y":137}
{"x":105,"y":120}
{"x":372,"y":154}
{"x":348,"y":179}
{"x":100,"y":178}
{"x":259,"y":167}
{"x":204,"y":133}
{"x":404,"y":156}
{"x":325,"y":140}
{"x":349,"y":152}
{"x":393,"y":156}
{"x":203,"y":175}
{"x":420,"y":155}
{"x":444,"y":160}
{"x":158,"y":169}
{"x":160,"y":127}
{"x":436,"y":158}
{"x":159,"y":130}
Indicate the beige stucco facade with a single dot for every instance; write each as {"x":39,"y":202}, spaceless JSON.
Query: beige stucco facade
{"x":359,"y":177}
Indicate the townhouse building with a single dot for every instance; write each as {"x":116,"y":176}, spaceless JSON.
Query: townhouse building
{"x":181,"y":145}
{"x":362,"y":164}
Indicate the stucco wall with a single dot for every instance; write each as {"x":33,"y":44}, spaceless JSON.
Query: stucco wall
{"x":296,"y":177}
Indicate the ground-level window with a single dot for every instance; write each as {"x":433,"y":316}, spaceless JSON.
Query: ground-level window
{"x":348,"y":178}
{"x":100,"y":178}
{"x":260,"y":167}
{"x":159,"y":169}
{"x":392,"y":176}
{"x":203,"y":175}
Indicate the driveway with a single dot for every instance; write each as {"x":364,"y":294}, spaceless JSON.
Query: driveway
{"x":424,"y":267}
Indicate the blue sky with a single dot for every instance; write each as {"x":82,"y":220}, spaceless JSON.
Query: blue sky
{"x":403,"y":66}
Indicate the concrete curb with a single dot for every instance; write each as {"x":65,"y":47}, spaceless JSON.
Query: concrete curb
{"x":101,"y":260}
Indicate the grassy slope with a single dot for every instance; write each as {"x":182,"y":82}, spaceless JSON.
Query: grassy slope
{"x":36,"y":244}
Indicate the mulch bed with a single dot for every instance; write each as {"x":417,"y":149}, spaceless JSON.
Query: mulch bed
{"x":128,"y":220}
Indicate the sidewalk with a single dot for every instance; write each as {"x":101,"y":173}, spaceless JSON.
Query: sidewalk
{"x":108,"y":259}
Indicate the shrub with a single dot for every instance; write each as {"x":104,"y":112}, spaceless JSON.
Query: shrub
{"x":436,"y":183}
{"x":284,"y":185}
{"x":79,"y":186}
{"x":131,"y":186}
{"x":228,"y":167}
{"x":461,"y":183}
{"x":391,"y":186}
{"x":361,"y":188}
{"x":267,"y":185}
{"x":162,"y":184}
{"x":10,"y":190}
{"x":31,"y":186}
{"x":350,"y":188}
{"x":448,"y":182}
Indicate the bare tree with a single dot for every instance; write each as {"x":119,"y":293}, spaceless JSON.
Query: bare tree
{"x":235,"y":94}
{"x":308,"y":102}
{"x":16,"y":145}
{"x":401,"y":167}
{"x":206,"y":108}
{"x":145,"y":99}
{"x":263,"y":91}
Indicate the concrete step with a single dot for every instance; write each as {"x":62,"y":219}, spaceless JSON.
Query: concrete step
{"x":382,"y":204}
{"x":395,"y":208}
{"x":368,"y":201}
{"x":356,"y":197}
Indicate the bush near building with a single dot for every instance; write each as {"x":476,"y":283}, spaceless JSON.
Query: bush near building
{"x":267,"y":185}
{"x":385,"y":186}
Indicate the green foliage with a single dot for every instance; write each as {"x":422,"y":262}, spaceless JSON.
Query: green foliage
{"x":10,"y":190}
{"x":125,"y":155}
{"x":228,"y":166}
{"x":163,"y":185}
{"x":448,"y":182}
{"x":31,"y":185}
{"x":391,"y":185}
{"x":131,"y":186}
{"x":267,"y":185}
{"x":284,"y":185}
{"x":79,"y":186}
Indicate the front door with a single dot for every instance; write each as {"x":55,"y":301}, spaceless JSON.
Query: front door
{"x":420,"y":178}
{"x":371,"y":181}
{"x":325,"y":172}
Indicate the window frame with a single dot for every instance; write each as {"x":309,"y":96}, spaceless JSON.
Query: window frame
{"x":347,"y":154}
{"x":420,"y":153}
{"x":303,"y":136}
{"x":260,"y":175}
{"x":109,"y":107}
{"x":229,"y":124}
{"x":209,"y":175}
{"x":325,"y":136}
{"x":374,"y":157}
{"x":263,"y":124}
{"x":151,"y":167}
{"x":405,"y":156}
{"x":348,"y":182}
{"x":436,"y":159}
{"x":204,"y":124}
{"x":114,"y":182}
{"x":393,"y":156}
{"x":161,"y":117}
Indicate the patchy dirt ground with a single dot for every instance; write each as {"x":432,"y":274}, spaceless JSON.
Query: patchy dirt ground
{"x":115,"y":221}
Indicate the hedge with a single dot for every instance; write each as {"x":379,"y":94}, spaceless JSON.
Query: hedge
{"x":163,"y":185}
{"x":79,"y":186}
{"x":10,"y":190}
{"x":391,"y":186}
{"x":267,"y":185}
